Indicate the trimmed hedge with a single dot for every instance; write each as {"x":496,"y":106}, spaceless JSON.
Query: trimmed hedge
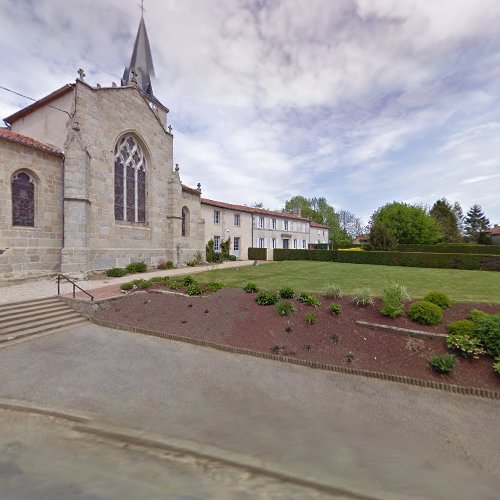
{"x":407,"y":259}
{"x":452,"y":248}
{"x":257,"y":253}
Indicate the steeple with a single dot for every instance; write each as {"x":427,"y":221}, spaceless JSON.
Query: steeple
{"x":141,"y":62}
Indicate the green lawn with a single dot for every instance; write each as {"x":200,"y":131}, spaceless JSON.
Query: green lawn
{"x":462,"y":286}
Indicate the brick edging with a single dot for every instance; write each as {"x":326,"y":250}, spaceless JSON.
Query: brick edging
{"x":402,"y":379}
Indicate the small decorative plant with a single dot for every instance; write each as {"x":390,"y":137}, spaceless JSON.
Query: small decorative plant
{"x":333,"y":291}
{"x":440,"y":299}
{"x":136,"y":267}
{"x":214,"y":286}
{"x":310,"y":318}
{"x":309,"y":300}
{"x":175,"y":285}
{"x":251,"y":288}
{"x":394,"y":297}
{"x":143,"y":284}
{"x":116,"y":272}
{"x":188,"y":280}
{"x":444,"y":364}
{"x":496,"y":366}
{"x":127,"y":286}
{"x":267,"y":298}
{"x":285,"y":308}
{"x":362,"y":297}
{"x":287,"y":293}
{"x":468,"y":345}
{"x":194,"y":289}
{"x":425,"y":313}
{"x":335,"y":309}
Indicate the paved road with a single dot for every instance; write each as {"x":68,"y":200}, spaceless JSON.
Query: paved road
{"x":44,"y":459}
{"x":368,"y":436}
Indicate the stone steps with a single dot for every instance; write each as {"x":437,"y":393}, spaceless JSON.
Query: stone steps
{"x":23,"y":319}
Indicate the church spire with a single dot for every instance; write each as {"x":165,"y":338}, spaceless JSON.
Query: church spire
{"x":141,"y":62}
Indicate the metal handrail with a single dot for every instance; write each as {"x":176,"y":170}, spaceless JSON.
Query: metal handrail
{"x":59,"y":276}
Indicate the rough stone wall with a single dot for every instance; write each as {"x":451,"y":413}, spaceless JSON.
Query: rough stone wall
{"x":31,"y":251}
{"x":94,"y":240}
{"x":195,"y":231}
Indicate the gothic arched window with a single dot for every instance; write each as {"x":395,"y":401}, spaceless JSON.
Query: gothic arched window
{"x":130,"y":181}
{"x":23,"y":200}
{"x":185,"y":221}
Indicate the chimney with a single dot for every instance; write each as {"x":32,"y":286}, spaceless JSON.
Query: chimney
{"x":297,"y":211}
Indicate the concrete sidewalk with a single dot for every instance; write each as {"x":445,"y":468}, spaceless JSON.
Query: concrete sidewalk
{"x":47,"y":287}
{"x":371,"y":437}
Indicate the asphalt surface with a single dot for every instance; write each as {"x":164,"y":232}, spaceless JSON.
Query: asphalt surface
{"x":367,"y":436}
{"x":45,"y":459}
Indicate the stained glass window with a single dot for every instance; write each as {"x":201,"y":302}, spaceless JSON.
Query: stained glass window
{"x":23,"y":200}
{"x":130,"y":181}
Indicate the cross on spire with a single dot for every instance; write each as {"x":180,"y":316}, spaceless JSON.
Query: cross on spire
{"x":142,"y":8}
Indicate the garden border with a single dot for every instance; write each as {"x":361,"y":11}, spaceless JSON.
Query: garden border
{"x":402,"y":379}
{"x":401,"y":331}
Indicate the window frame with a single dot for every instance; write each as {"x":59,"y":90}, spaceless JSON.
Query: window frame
{"x":285,"y":225}
{"x":216,"y":216}
{"x":261,"y":223}
{"x":273,"y":224}
{"x":216,"y":244}
{"x":237,"y":220}
{"x":32,"y":181}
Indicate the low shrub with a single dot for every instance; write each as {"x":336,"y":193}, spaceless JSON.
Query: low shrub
{"x":469,"y":346}
{"x":143,"y":284}
{"x":127,"y":286}
{"x":475,"y":315}
{"x":309,"y":300}
{"x":251,"y":288}
{"x":136,"y":267}
{"x":159,"y":280}
{"x":461,"y":327}
{"x":440,"y":299}
{"x":285,"y":308}
{"x":214,"y":286}
{"x":310,"y":318}
{"x":333,"y":291}
{"x":487,"y":331}
{"x":231,"y":258}
{"x":394,"y":297}
{"x":335,"y":309}
{"x":194,"y":289}
{"x":444,"y":364}
{"x":496,"y":366}
{"x":175,"y":285}
{"x":188,"y":280}
{"x":267,"y":298}
{"x":116,"y":272}
{"x":162,"y":264}
{"x":362,"y":297}
{"x":425,"y":313}
{"x":257,"y":253}
{"x":287,"y":293}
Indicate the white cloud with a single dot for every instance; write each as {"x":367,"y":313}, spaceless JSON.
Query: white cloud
{"x":361,"y":101}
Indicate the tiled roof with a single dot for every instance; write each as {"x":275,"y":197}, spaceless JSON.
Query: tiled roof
{"x":495,"y":230}
{"x":41,"y":102}
{"x":251,"y":210}
{"x":314,"y":224}
{"x":190,"y":190}
{"x":8,"y":135}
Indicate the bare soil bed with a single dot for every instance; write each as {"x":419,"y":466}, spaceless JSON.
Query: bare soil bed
{"x":232,"y":317}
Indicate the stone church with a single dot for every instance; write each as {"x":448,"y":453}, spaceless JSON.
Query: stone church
{"x":88,"y":180}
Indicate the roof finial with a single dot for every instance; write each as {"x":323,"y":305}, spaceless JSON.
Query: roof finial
{"x":142,"y":8}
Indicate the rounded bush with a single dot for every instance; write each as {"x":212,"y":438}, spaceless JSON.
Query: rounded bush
{"x":116,"y":272}
{"x":127,"y":286}
{"x":285,"y":308}
{"x":287,"y":293}
{"x":425,"y":313}
{"x":444,"y":364}
{"x":137,"y":267}
{"x":461,"y":327}
{"x":267,"y":298}
{"x":194,"y":289}
{"x":440,"y":299}
{"x":251,"y":288}
{"x":335,"y":309}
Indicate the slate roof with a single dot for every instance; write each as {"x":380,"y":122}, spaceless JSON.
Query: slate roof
{"x":10,"y":136}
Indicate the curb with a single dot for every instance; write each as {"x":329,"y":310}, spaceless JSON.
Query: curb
{"x":401,"y":379}
{"x":26,"y":407}
{"x":402,"y":331}
{"x":215,"y":454}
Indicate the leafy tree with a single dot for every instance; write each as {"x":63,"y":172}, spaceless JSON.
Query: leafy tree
{"x":459,"y":215}
{"x":442,"y":212}
{"x":476,"y":223}
{"x":259,"y":204}
{"x":319,"y":211}
{"x":381,"y":238}
{"x":409,"y":223}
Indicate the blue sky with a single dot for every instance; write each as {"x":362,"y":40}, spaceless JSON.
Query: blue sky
{"x":360,"y":101}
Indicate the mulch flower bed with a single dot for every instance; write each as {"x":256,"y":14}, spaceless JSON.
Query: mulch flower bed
{"x":232,"y":317}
